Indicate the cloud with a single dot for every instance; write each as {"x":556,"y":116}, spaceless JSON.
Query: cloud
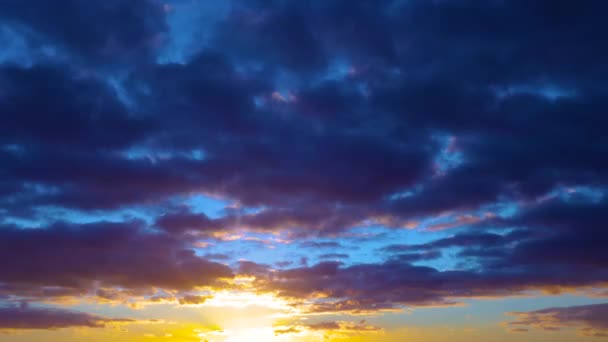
{"x":184,"y":221}
{"x":309,"y":119}
{"x":334,"y":256}
{"x":77,"y":260}
{"x":108,"y":32}
{"x":28,"y":317}
{"x":82,"y":113}
{"x":343,"y":326}
{"x":332,"y":327}
{"x":193,"y":299}
{"x":588,"y":320}
{"x":395,"y":284}
{"x":320,"y":244}
{"x":301,"y":166}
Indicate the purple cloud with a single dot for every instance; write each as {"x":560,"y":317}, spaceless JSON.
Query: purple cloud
{"x":28,"y":317}
{"x":588,"y":320}
{"x":76,"y":260}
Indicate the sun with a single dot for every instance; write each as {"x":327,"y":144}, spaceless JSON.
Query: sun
{"x":260,"y":334}
{"x":244,"y":316}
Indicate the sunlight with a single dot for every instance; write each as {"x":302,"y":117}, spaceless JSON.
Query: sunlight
{"x":242,"y":299}
{"x":248,"y":316}
{"x":262,"y":334}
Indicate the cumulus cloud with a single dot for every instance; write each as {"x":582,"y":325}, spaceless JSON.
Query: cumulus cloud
{"x":308,"y":119}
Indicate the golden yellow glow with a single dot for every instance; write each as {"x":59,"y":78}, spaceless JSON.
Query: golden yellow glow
{"x":259,"y":334}
{"x":241,"y":299}
{"x":246,"y":316}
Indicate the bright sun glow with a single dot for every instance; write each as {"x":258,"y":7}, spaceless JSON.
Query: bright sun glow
{"x":247,"y":299}
{"x":263,"y":334}
{"x":248,"y":317}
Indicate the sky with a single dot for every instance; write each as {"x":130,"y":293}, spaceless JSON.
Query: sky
{"x":302,"y":171}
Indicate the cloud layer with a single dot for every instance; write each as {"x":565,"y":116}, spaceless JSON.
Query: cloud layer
{"x":26,"y":317}
{"x":324,"y":130}
{"x":589,"y":320}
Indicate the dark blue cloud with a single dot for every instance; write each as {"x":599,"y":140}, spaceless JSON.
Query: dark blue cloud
{"x":309,"y":118}
{"x":92,"y":32}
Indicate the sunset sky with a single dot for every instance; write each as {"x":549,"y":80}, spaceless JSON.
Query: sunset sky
{"x":303,"y":171}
